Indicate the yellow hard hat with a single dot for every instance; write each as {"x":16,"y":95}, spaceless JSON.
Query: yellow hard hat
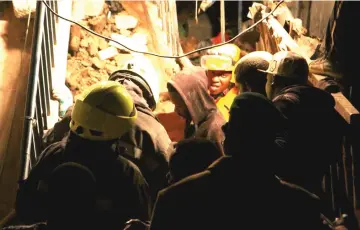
{"x":222,"y":58}
{"x":104,"y":112}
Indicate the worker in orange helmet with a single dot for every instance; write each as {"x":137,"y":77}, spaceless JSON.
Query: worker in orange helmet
{"x":219,"y":63}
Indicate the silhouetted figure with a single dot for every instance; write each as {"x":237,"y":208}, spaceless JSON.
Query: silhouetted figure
{"x":191,"y":156}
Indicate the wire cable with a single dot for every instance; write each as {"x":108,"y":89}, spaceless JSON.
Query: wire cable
{"x":160,"y":55}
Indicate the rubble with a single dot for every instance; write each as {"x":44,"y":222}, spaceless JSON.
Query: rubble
{"x":75,"y":36}
{"x":108,"y":53}
{"x":92,"y":59}
{"x":98,"y":23}
{"x":97,"y":63}
{"x":125,"y":21}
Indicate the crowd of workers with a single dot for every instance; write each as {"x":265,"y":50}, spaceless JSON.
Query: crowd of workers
{"x":256,"y":147}
{"x":257,"y":142}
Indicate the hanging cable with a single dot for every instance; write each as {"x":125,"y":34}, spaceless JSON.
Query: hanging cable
{"x":160,"y":55}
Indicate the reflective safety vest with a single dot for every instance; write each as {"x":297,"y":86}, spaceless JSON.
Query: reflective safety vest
{"x":224,"y":103}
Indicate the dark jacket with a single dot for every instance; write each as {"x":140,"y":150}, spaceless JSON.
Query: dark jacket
{"x":224,"y":197}
{"x":314,"y":132}
{"x":122,"y":190}
{"x":146,"y":144}
{"x":192,"y":85}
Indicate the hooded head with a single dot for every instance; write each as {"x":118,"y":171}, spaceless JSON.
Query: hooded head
{"x":188,"y":91}
{"x":253,"y":126}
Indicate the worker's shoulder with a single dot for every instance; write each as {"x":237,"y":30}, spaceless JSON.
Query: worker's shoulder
{"x":54,"y":150}
{"x":188,"y":185}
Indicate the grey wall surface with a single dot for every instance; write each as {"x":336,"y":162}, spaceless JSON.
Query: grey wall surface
{"x":319,"y":15}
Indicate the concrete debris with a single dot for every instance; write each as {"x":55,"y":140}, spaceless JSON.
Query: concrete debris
{"x":124,"y":21}
{"x":110,"y":68}
{"x":75,"y":35}
{"x":103,"y":44}
{"x":128,"y":42}
{"x":108,"y":53}
{"x":98,"y":23}
{"x":84,"y":43}
{"x":93,"y":7}
{"x":125,"y":32}
{"x":140,"y":38}
{"x":97,"y":63}
{"x":82,"y":54}
{"x":93,"y":46}
{"x":86,"y":63}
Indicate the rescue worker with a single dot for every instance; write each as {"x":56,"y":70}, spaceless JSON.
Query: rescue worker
{"x":188,"y":90}
{"x":315,"y":130}
{"x":219,"y":64}
{"x":247,"y":76}
{"x":240,"y":190}
{"x":310,"y":112}
{"x":104,"y":113}
{"x":147,"y":144}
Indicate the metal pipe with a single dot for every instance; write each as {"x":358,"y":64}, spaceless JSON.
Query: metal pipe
{"x":25,"y":149}
{"x":240,"y":16}
{"x":222,"y":20}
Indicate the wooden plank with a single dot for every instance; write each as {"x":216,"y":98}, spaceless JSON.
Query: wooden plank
{"x":285,"y":42}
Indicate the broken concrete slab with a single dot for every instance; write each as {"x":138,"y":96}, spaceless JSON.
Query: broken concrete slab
{"x":108,"y":53}
{"x":97,"y":63}
{"x":128,"y":42}
{"x":141,"y":38}
{"x":125,"y":21}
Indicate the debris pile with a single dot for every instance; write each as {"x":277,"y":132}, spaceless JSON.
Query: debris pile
{"x":92,"y":58}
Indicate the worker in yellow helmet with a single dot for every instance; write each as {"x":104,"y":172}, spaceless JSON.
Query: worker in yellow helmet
{"x":219,"y":64}
{"x":103,"y":114}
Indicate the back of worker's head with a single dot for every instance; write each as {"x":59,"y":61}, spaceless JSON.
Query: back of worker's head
{"x":287,"y":68}
{"x":247,"y":74}
{"x":191,"y":156}
{"x":104,"y":112}
{"x":253,"y":125}
{"x":72,"y":197}
{"x":141,"y":72}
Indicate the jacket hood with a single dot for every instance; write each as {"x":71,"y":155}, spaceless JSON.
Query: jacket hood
{"x":192,"y":85}
{"x":138,"y":98}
